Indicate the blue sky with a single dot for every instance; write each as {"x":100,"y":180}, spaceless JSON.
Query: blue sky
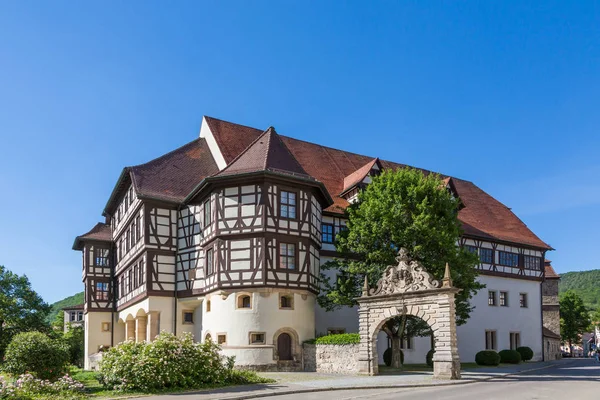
{"x":504,"y":94}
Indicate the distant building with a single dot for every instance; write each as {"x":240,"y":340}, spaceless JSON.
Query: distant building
{"x":73,"y":315}
{"x":551,"y":313}
{"x":224,"y":238}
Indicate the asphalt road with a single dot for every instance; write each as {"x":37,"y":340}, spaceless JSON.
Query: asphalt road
{"x":575,"y":380}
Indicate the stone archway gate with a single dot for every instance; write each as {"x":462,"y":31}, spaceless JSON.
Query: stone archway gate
{"x":407,"y":289}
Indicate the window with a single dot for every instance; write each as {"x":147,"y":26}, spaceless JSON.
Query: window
{"x":126,"y":202}
{"x":492,"y":298}
{"x":222,"y":339}
{"x":286,"y":302}
{"x":141,"y":272}
{"x":188,"y":317}
{"x":207,"y":305}
{"x":531,"y":262}
{"x":79,"y":315}
{"x":129,"y":280}
{"x":471,"y":249}
{"x":486,"y":256}
{"x":327,"y":233}
{"x":136,"y":275}
{"x":287,"y":256}
{"x":101,"y":257}
{"x":523,"y":300}
{"x":406,"y":343}
{"x":504,"y":299}
{"x":105,"y":326}
{"x":138,"y":226}
{"x":508,"y":259}
{"x":515,"y":340}
{"x":335,"y":331}
{"x":244,"y":301}
{"x":132,"y":239}
{"x":209,"y":262}
{"x":490,"y":340}
{"x":257,"y":338}
{"x":101,"y":290}
{"x":207,"y":337}
{"x":287,"y":205}
{"x":207,"y":213}
{"x":127,"y":242}
{"x":75,"y":316}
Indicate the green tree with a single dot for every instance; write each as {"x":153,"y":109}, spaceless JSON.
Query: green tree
{"x":21,"y":308}
{"x":400,"y":209}
{"x":74,"y":340}
{"x":574,"y":318}
{"x":595,"y":318}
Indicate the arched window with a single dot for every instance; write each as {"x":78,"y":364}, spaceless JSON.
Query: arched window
{"x":286,"y":302}
{"x":244,"y":301}
{"x":207,"y":305}
{"x":207,"y":337}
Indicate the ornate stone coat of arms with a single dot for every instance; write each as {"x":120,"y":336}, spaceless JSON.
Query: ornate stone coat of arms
{"x":407,"y":276}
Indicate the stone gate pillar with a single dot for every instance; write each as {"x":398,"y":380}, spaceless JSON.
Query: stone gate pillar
{"x":446,"y":362}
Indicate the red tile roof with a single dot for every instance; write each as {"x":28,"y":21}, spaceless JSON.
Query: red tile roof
{"x":482,"y":216}
{"x":266,"y":153}
{"x":357,"y":176}
{"x":100,"y":232}
{"x":549,"y":272}
{"x":174,"y":175}
{"x":75,"y":307}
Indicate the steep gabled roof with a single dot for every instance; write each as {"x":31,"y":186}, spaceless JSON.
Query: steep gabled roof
{"x":482,"y":215}
{"x":170,"y":177}
{"x":266,"y":153}
{"x":100,"y":232}
{"x":357,"y":176}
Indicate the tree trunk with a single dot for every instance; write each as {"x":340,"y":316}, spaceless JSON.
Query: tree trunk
{"x":396,"y":360}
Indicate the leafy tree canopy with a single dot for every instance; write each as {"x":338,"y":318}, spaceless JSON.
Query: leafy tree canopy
{"x":402,"y":208}
{"x":21,"y":308}
{"x":574,"y":318}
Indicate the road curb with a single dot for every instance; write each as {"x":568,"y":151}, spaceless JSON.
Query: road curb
{"x":400,"y":386}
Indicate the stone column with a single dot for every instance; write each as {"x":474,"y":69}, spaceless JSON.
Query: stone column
{"x":140,"y":328}
{"x":446,"y":362}
{"x":365,"y":357}
{"x":130,"y":329}
{"x":152,"y":327}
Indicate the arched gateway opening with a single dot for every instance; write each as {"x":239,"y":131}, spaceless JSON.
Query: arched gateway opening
{"x":407,"y":289}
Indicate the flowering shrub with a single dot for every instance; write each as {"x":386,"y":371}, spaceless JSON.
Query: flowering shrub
{"x":37,"y":354}
{"x":167,"y":362}
{"x":27,"y":386}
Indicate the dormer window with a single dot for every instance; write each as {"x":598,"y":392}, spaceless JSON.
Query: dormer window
{"x":287,"y":204}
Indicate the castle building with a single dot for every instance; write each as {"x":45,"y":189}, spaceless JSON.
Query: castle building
{"x":224,"y":238}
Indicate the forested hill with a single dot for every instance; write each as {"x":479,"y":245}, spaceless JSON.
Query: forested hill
{"x":585,"y":283}
{"x":69,"y":301}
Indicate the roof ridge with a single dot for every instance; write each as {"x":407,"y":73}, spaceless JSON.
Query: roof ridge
{"x":294,"y":159}
{"x":245,"y":150}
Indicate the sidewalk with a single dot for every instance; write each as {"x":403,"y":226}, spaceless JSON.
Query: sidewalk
{"x":299,"y":382}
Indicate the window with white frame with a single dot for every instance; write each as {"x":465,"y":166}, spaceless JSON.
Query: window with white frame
{"x":287,"y":204}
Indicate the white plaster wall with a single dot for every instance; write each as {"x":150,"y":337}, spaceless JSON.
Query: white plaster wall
{"x":94,"y":336}
{"x":527,"y":321}
{"x":345,"y":317}
{"x":264,"y":316}
{"x":207,"y":134}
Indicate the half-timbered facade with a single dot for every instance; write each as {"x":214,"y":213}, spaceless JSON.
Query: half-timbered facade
{"x":224,"y":238}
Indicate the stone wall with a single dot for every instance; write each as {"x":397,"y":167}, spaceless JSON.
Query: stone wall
{"x":331,"y":359}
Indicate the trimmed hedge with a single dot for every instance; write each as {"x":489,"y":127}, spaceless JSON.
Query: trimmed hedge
{"x":339,"y":339}
{"x":37,"y":354}
{"x":510,"y":357}
{"x":429,"y":358}
{"x":387,"y":357}
{"x":487,"y":357}
{"x":525,"y":352}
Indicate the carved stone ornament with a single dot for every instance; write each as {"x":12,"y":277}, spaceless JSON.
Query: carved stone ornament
{"x":407,"y":276}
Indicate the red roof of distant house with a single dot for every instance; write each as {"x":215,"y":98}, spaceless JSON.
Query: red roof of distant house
{"x":482,"y":216}
{"x":72,"y":308}
{"x":549,"y":271}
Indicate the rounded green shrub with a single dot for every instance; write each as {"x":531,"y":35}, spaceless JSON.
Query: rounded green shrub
{"x":168,"y":362}
{"x":487,"y":357}
{"x":525,"y":352}
{"x":339,"y":338}
{"x":510,"y":357}
{"x":37,"y":354}
{"x":429,"y":358}
{"x":387,"y":357}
